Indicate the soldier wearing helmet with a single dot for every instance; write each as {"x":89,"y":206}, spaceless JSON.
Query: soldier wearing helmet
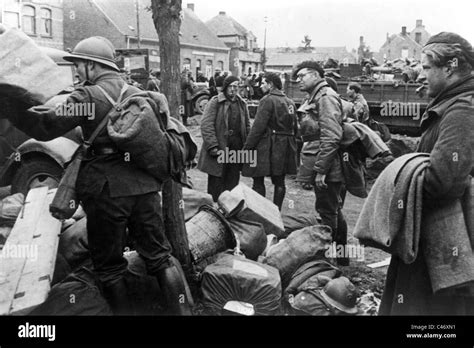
{"x":114,"y":193}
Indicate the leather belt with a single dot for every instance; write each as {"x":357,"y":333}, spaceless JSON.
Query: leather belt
{"x":290,"y":134}
{"x":104,"y":150}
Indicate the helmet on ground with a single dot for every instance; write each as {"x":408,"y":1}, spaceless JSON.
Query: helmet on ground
{"x":97,"y":49}
{"x":341,"y":294}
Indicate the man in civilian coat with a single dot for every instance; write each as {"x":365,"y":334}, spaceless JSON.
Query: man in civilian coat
{"x":225,"y":125}
{"x":448,"y":136}
{"x":273,"y":136}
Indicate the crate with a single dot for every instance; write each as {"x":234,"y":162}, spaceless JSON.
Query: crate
{"x":29,"y":255}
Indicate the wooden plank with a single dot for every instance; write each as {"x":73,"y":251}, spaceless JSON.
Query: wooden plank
{"x":35,"y":282}
{"x":12,"y":263}
{"x":382,"y":263}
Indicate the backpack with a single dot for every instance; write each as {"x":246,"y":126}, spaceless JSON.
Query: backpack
{"x":141,"y":126}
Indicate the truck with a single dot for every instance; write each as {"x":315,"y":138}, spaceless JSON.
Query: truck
{"x":397,"y":104}
{"x":138,"y":62}
{"x":26,"y":163}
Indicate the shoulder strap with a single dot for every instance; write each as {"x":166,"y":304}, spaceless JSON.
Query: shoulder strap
{"x":106,"y":118}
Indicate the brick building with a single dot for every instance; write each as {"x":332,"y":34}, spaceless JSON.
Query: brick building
{"x":42,"y":20}
{"x":405,"y":44}
{"x":117,"y":21}
{"x":245,"y":56}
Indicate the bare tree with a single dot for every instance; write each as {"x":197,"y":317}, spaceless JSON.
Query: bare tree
{"x":167,"y":19}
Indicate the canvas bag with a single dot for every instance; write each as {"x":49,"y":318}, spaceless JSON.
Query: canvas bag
{"x":27,"y":73}
{"x":157,"y":143}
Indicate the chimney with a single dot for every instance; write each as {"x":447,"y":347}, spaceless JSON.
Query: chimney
{"x":404,"y":31}
{"x":191,"y":7}
{"x":419,"y":23}
{"x":361,"y":39}
{"x":222,"y":13}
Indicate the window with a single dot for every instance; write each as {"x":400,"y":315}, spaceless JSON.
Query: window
{"x":404,"y":52}
{"x":198,"y":66}
{"x":220,"y":65}
{"x":418,"y":38}
{"x":209,"y":68}
{"x":187,"y":64}
{"x":29,"y":20}
{"x":46,"y":22}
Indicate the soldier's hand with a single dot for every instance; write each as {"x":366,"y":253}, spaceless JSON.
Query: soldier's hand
{"x":214,"y":152}
{"x":320,"y":181}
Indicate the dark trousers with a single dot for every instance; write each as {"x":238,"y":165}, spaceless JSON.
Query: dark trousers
{"x":107,"y":222}
{"x":259,"y":183}
{"x":230,"y":178}
{"x":329,"y":203}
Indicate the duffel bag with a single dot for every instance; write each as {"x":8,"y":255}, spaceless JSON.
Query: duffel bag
{"x":233,"y":281}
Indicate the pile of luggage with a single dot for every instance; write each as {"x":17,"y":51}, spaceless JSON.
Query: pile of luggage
{"x":247,"y":262}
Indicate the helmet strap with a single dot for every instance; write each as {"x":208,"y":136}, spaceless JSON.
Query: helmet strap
{"x":87,"y":71}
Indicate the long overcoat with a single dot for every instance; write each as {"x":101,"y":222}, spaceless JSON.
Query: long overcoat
{"x":215,"y":131}
{"x":273,"y":137}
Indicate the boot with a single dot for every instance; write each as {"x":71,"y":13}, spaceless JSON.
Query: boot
{"x":172,"y":284}
{"x":116,"y":295}
{"x":341,"y":238}
{"x":279,"y":196}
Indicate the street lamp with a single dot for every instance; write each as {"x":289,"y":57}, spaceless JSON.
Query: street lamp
{"x":265,"y":19}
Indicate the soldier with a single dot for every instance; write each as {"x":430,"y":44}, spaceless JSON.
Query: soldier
{"x":324,"y":111}
{"x":360,"y":110}
{"x":273,"y":136}
{"x":186,"y":95}
{"x":115,"y":194}
{"x":153,"y":83}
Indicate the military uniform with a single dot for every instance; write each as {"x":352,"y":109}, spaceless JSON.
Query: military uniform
{"x":114,"y":193}
{"x":321,"y":148}
{"x":360,"y":109}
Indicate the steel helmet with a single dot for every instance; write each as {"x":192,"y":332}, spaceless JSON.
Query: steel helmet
{"x":97,"y":49}
{"x":341,"y":294}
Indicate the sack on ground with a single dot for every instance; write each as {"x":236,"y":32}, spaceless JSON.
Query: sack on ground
{"x":297,"y":222}
{"x":318,"y":271}
{"x":193,"y":200}
{"x":73,"y":245}
{"x":307,"y":244}
{"x":234,"y":278}
{"x":10,"y":208}
{"x":250,"y":236}
{"x":84,"y":285}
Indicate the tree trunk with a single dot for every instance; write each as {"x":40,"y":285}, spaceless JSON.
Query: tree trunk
{"x":167,"y":19}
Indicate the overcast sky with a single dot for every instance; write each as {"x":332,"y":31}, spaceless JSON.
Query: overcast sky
{"x":340,"y":22}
